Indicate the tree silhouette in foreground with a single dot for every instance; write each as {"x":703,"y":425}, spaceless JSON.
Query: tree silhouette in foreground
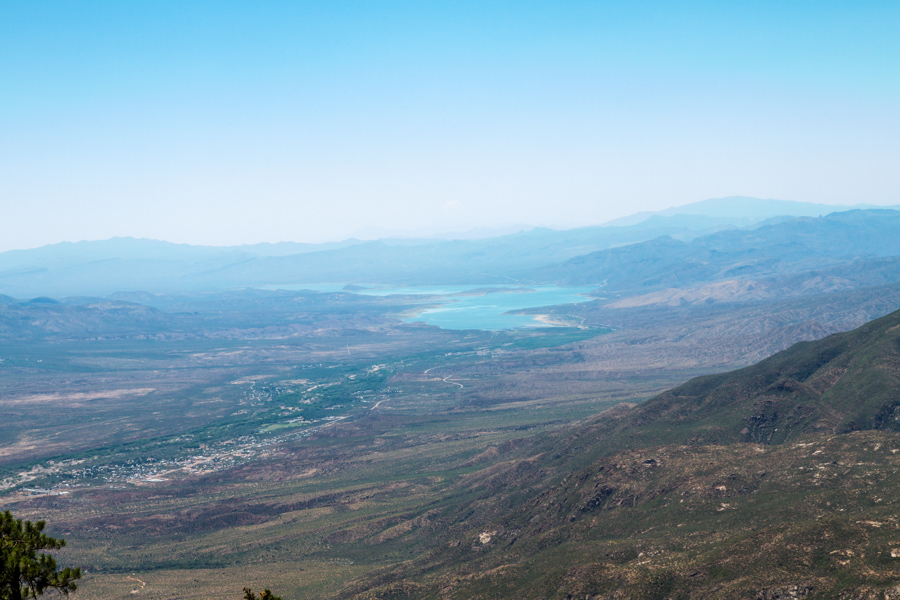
{"x":266,"y":594}
{"x":25,"y":570}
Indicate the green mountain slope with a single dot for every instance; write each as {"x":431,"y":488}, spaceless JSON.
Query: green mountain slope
{"x":845,"y":382}
{"x":751,"y":484}
{"x":816,"y":520}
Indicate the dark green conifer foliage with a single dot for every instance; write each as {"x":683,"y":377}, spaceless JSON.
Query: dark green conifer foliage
{"x":265,"y":595}
{"x":25,"y":570}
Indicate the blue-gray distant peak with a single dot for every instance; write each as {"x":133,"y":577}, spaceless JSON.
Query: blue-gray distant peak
{"x":742,"y":210}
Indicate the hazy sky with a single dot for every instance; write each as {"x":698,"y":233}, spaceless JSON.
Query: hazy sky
{"x":232,"y":122}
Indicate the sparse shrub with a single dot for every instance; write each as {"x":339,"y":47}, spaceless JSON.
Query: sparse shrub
{"x":658,"y":586}
{"x":266,"y":594}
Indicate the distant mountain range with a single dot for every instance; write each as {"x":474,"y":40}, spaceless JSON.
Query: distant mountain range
{"x":801,"y":244}
{"x":744,"y":210}
{"x":703,"y":242}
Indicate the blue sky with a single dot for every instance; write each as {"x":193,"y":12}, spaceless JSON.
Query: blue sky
{"x":235,"y":122}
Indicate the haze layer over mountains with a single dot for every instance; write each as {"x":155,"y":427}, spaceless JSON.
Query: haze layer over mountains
{"x":705,"y":242}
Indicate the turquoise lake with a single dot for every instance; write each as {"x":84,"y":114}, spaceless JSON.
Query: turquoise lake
{"x":454,"y":308}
